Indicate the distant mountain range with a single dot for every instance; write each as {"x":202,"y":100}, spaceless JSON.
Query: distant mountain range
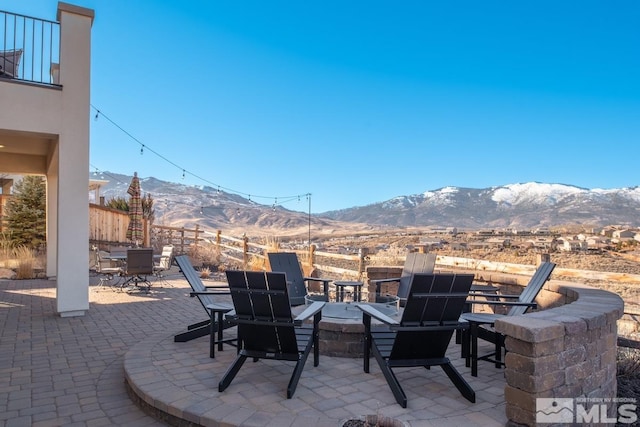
{"x":519,"y":206}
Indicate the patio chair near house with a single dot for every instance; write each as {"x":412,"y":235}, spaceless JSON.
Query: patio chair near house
{"x":221,"y":316}
{"x":299,"y":286}
{"x":138,"y":267}
{"x":481,"y":324}
{"x":415,"y":262}
{"x":164,"y":263}
{"x":422,"y":336}
{"x":103,"y":268}
{"x":266,"y":326}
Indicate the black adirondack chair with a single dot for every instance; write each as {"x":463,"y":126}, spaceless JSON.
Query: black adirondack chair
{"x":287,"y":262}
{"x":266,"y":327}
{"x":481,"y":324}
{"x":221,"y":316}
{"x":422,"y":335}
{"x":416,"y":262}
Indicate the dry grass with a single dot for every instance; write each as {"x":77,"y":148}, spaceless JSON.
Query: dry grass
{"x":23,"y":260}
{"x":205,"y":273}
{"x":206,"y":254}
{"x":628,"y":372}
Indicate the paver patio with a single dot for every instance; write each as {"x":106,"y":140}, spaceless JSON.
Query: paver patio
{"x":71,"y":371}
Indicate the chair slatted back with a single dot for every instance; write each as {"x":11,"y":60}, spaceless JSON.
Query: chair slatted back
{"x":416,"y":262}
{"x":166,"y":257}
{"x":533,"y":288}
{"x":434,"y":300}
{"x":193,"y":279}
{"x":139,"y":261}
{"x":261,"y":303}
{"x":287,"y":263}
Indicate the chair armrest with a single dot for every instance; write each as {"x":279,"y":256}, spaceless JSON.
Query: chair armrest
{"x":507,"y":303}
{"x":391,"y":279}
{"x":492,"y":295}
{"x":317,"y":279}
{"x":435,"y":327}
{"x":368,"y":310}
{"x":325,"y":283}
{"x":309,"y":311}
{"x":194,"y":293}
{"x":219,"y":308}
{"x":378,"y":282}
{"x":216,"y":287}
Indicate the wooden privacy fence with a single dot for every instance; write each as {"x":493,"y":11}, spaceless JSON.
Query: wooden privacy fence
{"x":108,"y":226}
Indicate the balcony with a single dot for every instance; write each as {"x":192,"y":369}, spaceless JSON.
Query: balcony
{"x":29,"y":49}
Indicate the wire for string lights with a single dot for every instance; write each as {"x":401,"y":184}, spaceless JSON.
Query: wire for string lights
{"x":185,"y":171}
{"x":278,"y":201}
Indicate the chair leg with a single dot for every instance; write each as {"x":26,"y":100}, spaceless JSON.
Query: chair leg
{"x":498,"y":350}
{"x":461,"y":384}
{"x":231,"y":372}
{"x":473,"y":353}
{"x":367,"y":341}
{"x":297,"y":373}
{"x":194,"y":331}
{"x":394,"y":385}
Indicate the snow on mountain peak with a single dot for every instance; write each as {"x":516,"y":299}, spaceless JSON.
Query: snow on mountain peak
{"x":533,"y":191}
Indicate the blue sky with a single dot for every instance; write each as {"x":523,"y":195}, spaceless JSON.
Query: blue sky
{"x":357,"y":102}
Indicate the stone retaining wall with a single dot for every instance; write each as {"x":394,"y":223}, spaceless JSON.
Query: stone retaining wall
{"x":564,"y":352}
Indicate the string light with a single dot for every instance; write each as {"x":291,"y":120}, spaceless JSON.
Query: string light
{"x":184,"y":171}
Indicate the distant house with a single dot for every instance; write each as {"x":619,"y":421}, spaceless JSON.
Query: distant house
{"x":623,"y":234}
{"x":443,"y":230}
{"x":542,"y":231}
{"x":543,"y":243}
{"x":571,"y":245}
{"x":479,"y":245}
{"x":499,"y":242}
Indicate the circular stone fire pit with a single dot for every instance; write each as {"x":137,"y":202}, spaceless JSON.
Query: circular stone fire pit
{"x":341,"y":328}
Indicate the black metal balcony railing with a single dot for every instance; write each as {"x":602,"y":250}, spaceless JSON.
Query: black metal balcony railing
{"x":29,"y":49}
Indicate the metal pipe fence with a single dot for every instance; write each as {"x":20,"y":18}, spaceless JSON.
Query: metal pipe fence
{"x":29,"y":49}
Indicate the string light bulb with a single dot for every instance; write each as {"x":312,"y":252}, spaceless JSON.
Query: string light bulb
{"x":95,"y":118}
{"x":142,"y":149}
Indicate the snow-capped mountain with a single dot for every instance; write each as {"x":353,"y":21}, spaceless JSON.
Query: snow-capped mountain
{"x":523,"y":205}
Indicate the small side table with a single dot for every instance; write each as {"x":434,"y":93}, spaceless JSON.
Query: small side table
{"x":340,"y":285}
{"x":217,"y":312}
{"x":475,"y":321}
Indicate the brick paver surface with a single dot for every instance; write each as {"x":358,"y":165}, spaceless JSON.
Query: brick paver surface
{"x":70,"y":371}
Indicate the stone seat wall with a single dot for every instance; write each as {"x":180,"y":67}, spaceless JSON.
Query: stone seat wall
{"x":568,"y":351}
